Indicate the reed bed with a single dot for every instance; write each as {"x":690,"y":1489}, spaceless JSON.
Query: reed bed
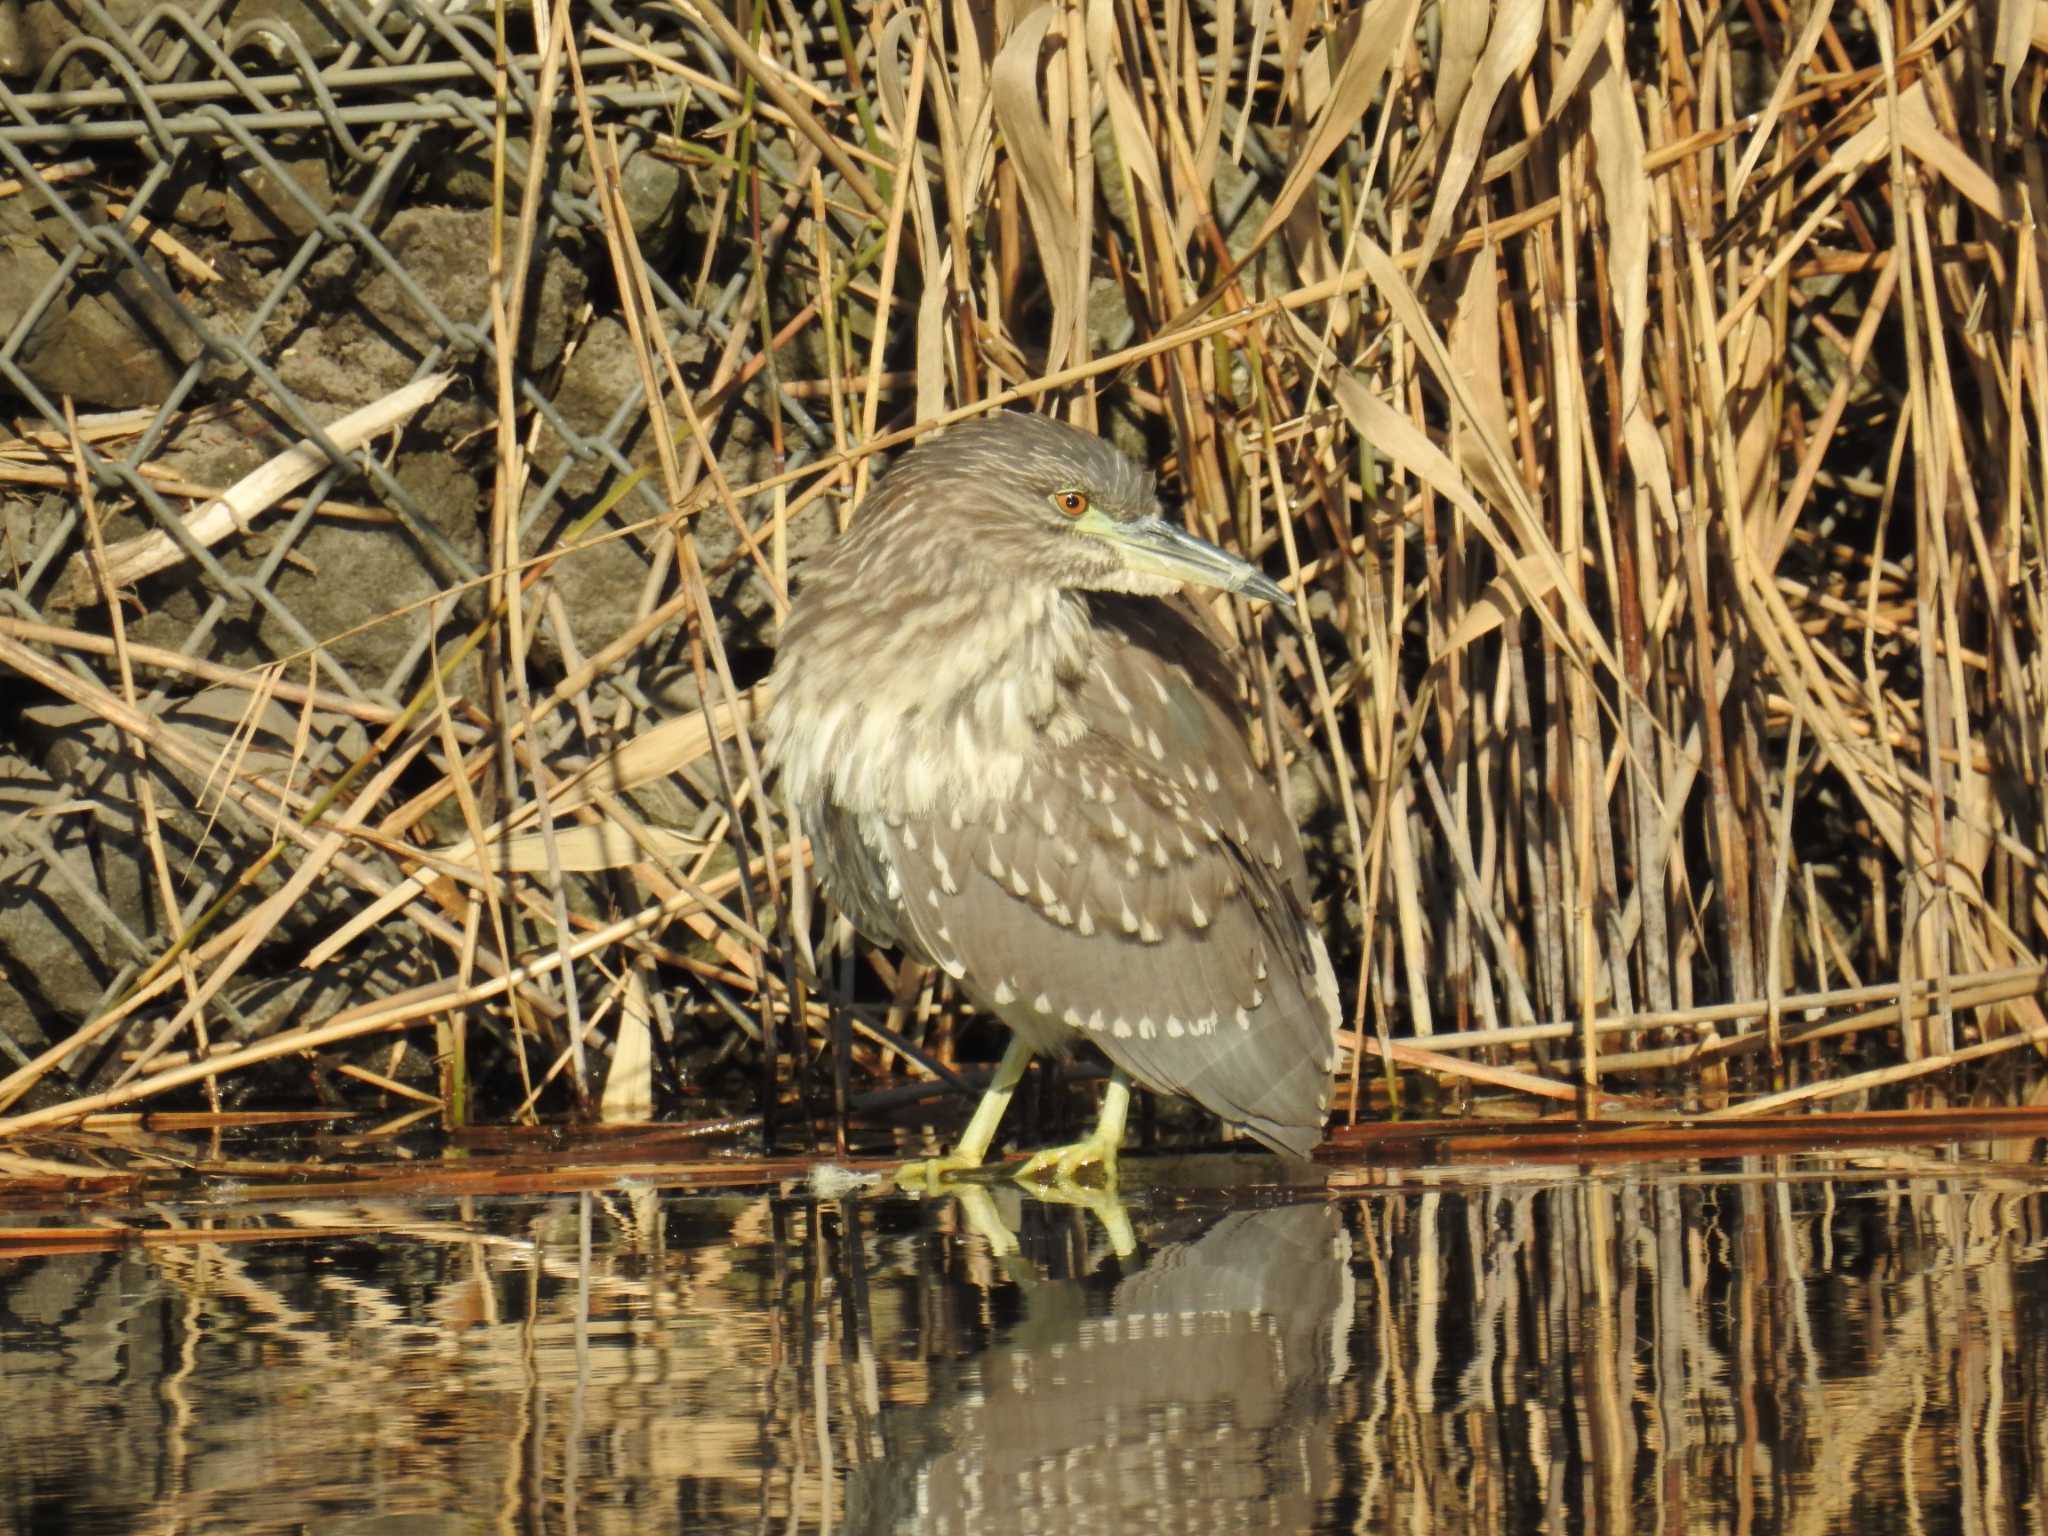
{"x":1647,"y":402}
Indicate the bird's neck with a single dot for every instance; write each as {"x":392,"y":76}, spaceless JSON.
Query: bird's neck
{"x":950,"y":707}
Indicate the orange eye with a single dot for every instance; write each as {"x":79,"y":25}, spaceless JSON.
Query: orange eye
{"x":1072,"y":503}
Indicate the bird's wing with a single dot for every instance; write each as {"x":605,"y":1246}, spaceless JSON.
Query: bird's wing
{"x":1144,"y":892}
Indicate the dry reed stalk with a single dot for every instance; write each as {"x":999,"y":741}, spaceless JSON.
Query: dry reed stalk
{"x":1651,"y":409}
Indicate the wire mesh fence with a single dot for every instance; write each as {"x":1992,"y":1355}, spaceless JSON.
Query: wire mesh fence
{"x":226,"y":230}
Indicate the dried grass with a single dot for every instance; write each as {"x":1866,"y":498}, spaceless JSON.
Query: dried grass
{"x":1649,"y":404}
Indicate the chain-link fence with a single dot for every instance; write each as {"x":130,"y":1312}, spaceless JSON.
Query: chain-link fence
{"x":227,"y":228}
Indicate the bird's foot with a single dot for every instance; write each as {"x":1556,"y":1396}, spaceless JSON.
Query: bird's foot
{"x":928,"y":1176}
{"x":1089,"y":1164}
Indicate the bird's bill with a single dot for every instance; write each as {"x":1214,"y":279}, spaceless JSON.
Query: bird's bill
{"x":1157,"y":548}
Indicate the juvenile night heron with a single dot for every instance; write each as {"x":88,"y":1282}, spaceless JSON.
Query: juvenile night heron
{"x":1022,"y":758}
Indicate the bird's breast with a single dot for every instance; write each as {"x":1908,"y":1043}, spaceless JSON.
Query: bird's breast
{"x":945,"y":714}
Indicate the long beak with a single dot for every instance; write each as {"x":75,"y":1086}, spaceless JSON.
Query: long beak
{"x":1156,"y":547}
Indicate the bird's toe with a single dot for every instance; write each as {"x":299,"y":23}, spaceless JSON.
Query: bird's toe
{"x":932,"y":1174}
{"x":1085,"y":1164}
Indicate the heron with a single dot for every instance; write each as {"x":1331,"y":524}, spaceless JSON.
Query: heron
{"x":1021,"y":756}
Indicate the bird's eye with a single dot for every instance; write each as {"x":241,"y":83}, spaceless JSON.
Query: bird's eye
{"x":1072,"y":503}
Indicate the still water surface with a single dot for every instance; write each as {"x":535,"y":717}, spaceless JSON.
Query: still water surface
{"x":1854,"y":1344}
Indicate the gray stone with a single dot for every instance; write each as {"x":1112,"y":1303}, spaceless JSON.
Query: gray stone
{"x":601,"y":584}
{"x":339,"y":579}
{"x":204,"y":836}
{"x":462,"y":173}
{"x":262,"y":203}
{"x":46,"y":26}
{"x":109,"y":337}
{"x":78,"y":891}
{"x":58,"y":950}
{"x":372,"y":333}
{"x":656,"y":197}
{"x":17,"y":58}
{"x":366,"y":590}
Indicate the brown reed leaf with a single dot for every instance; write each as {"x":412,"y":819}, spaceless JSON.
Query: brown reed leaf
{"x":1035,"y":113}
{"x":1510,"y":45}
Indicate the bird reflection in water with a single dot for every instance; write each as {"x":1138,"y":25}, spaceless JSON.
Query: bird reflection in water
{"x":1195,"y":1396}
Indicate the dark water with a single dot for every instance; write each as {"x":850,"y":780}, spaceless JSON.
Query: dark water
{"x":1751,"y":1345}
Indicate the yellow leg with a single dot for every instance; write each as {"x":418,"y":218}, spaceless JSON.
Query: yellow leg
{"x":1063,"y":1165}
{"x":931,"y":1173}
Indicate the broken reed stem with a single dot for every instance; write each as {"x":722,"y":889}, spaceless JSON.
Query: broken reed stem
{"x":1999,"y":986}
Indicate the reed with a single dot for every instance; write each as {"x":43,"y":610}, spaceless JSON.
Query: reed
{"x":1649,"y":403}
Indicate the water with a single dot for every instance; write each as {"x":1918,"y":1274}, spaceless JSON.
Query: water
{"x":1800,"y":1344}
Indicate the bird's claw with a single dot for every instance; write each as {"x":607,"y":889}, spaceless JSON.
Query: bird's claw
{"x":1084,"y":1165}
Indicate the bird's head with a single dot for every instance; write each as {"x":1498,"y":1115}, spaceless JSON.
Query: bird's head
{"x":1019,"y":498}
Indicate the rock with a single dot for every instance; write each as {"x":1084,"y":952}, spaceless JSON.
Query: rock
{"x":461,"y":173}
{"x":78,"y":898}
{"x":109,"y":337}
{"x":17,"y":56}
{"x":262,"y":203}
{"x":340,"y":576}
{"x":366,"y":590}
{"x":657,"y":200}
{"x":60,"y":943}
{"x":203,"y":837}
{"x":369,"y":335}
{"x":46,"y":26}
{"x":601,"y":584}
